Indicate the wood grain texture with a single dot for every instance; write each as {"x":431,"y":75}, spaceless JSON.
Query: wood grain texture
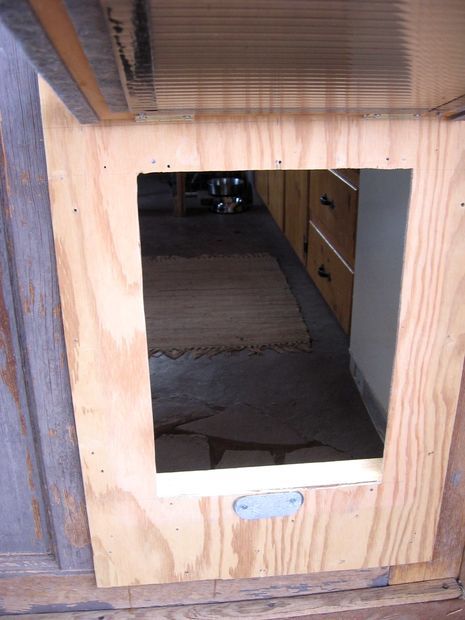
{"x":60,"y":30}
{"x":139,"y":538}
{"x":337,"y":285}
{"x":91,"y":28}
{"x":52,"y":468}
{"x":275,"y":204}
{"x":296,"y":210}
{"x":448,"y":548}
{"x":280,"y":608}
{"x":23,"y":522}
{"x":338,"y":222}
{"x":22,"y":22}
{"x":59,"y":593}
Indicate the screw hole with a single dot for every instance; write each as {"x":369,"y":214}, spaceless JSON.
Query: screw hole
{"x":168,"y":166}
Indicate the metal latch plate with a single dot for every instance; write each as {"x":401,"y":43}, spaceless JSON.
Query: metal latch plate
{"x":268,"y":505}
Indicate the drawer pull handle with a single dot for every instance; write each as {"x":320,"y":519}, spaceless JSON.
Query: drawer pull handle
{"x":327,"y":202}
{"x":323,"y":273}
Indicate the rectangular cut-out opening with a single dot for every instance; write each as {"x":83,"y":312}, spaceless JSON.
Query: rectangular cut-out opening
{"x":271,"y":303}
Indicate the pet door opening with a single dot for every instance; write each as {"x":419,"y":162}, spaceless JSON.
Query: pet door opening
{"x":271,"y":302}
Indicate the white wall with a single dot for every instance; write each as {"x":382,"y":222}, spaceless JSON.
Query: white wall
{"x":382,"y":216}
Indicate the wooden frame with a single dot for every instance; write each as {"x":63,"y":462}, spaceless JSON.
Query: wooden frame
{"x":43,"y":515}
{"x":92,"y":178}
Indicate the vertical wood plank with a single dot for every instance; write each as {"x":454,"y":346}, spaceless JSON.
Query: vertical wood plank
{"x":31,"y":252}
{"x":450,"y":539}
{"x":23,"y":522}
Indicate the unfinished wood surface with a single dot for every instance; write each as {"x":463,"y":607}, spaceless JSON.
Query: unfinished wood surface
{"x":333,"y":210}
{"x":331,"y":275}
{"x":280,"y":608}
{"x":58,"y":593}
{"x":450,"y":539}
{"x":261,"y":184}
{"x":275,"y":204}
{"x":296,"y":210}
{"x":140,"y":538}
{"x":59,"y":29}
{"x":272,"y":477}
{"x":43,"y":521}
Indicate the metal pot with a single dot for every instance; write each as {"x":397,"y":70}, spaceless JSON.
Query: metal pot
{"x":226,"y":186}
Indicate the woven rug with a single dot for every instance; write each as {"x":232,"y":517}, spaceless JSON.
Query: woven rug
{"x":211,"y":304}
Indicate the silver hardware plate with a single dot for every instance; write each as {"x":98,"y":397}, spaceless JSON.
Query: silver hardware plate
{"x":269,"y":505}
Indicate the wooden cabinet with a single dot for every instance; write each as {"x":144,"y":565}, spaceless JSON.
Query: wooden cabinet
{"x":333,"y":210}
{"x":317,"y":211}
{"x":331,"y":275}
{"x":331,"y":238}
{"x":296,"y":210}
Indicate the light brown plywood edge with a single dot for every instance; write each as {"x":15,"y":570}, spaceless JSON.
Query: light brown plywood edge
{"x":58,"y":27}
{"x":139,"y":538}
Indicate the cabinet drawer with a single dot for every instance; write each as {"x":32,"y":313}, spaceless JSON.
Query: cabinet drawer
{"x":333,"y":210}
{"x":331,"y":275}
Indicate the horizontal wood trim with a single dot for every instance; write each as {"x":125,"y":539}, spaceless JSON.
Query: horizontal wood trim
{"x":273,"y":477}
{"x":277,"y":608}
{"x":59,"y":593}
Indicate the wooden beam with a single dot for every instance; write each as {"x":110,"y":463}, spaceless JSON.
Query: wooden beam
{"x":40,"y":358}
{"x":34,"y":593}
{"x":19,"y":18}
{"x":279,"y":608}
{"x":59,"y":28}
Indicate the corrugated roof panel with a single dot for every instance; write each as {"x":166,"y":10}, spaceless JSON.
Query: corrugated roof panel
{"x":180,"y":56}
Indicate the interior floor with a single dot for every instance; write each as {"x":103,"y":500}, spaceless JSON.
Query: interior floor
{"x":241,"y":409}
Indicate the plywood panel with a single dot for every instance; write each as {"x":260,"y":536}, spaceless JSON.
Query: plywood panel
{"x":296,"y":210}
{"x":448,"y":549}
{"x":276,"y":180}
{"x":139,"y":538}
